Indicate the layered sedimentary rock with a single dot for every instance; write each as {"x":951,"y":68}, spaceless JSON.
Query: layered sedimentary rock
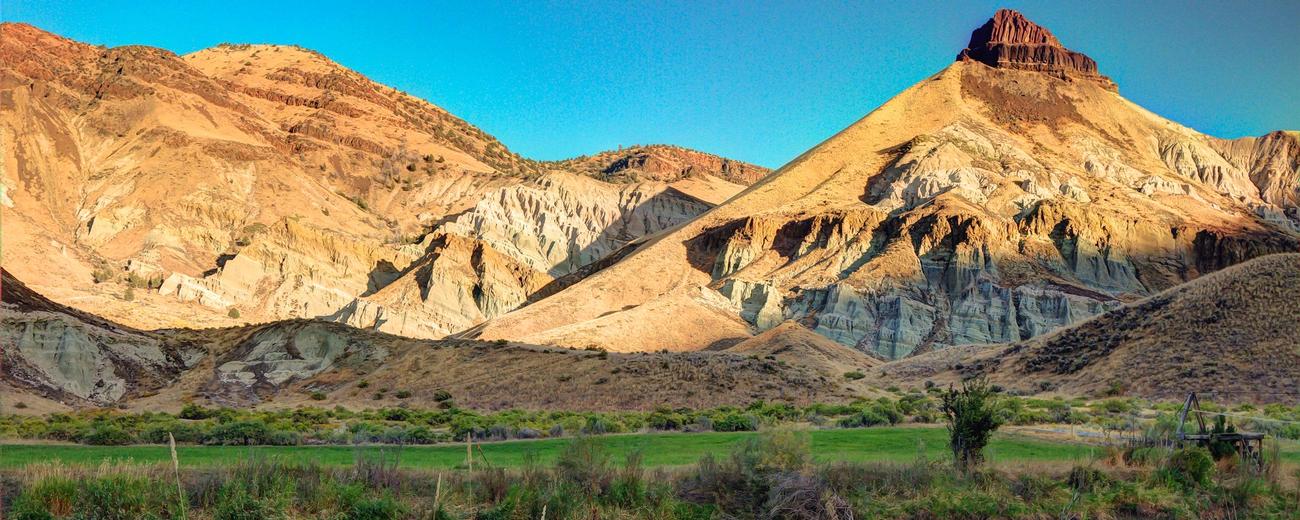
{"x":77,"y":358}
{"x":256,"y":182}
{"x":1009,"y":40}
{"x":985,"y":204}
{"x":662,"y":163}
{"x":490,"y":259}
{"x":1230,"y":334}
{"x":57,"y":359}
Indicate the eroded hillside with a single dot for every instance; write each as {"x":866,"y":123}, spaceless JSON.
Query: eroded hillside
{"x":255,"y":182}
{"x":1010,"y":194}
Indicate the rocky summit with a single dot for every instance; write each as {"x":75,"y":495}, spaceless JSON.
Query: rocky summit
{"x":1008,"y":195}
{"x":250,"y":223}
{"x":1009,"y":40}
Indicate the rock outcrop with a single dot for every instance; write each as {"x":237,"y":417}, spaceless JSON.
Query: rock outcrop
{"x":662,"y":163}
{"x":1230,"y":334}
{"x":269,"y":182}
{"x":1009,"y":40}
{"x":57,"y":358}
{"x":985,"y":204}
{"x":80,"y":359}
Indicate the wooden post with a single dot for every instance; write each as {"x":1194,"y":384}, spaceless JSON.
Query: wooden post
{"x":469,"y":450}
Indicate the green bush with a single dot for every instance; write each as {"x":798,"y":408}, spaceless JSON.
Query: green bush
{"x":193,"y":411}
{"x":735,"y":422}
{"x":239,"y":432}
{"x":106,"y":435}
{"x":585,"y":464}
{"x":123,"y":497}
{"x":49,"y":498}
{"x":971,"y":415}
{"x":1189,"y":467}
{"x":854,"y":375}
{"x":382,"y":508}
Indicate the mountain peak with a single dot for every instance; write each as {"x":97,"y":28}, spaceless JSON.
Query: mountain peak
{"x":1008,"y":40}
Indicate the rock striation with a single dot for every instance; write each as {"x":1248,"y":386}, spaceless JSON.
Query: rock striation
{"x":269,"y":182}
{"x":1009,"y":40}
{"x":985,"y":204}
{"x":1231,"y":334}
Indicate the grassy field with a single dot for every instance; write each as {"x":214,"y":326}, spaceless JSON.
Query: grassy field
{"x":658,"y":449}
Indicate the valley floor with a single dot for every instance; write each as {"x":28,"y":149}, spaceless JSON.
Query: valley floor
{"x":884,"y":444}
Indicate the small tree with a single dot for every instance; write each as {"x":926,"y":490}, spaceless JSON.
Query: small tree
{"x":971,"y":415}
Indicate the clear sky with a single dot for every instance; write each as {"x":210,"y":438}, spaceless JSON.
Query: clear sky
{"x":754,"y":80}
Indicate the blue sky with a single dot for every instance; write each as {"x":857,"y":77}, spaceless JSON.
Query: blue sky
{"x":758,"y":81}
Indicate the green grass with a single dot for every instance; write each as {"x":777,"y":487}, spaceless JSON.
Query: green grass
{"x":658,"y":449}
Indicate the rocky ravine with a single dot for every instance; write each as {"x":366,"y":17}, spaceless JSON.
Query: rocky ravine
{"x":270,"y":182}
{"x":1010,"y":194}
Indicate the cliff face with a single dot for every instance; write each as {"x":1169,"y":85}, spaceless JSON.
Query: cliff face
{"x":984,"y":204}
{"x":1230,"y":334}
{"x":1009,"y":40}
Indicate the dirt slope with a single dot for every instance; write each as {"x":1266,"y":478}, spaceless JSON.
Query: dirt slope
{"x":271,"y":182}
{"x":54,"y":357}
{"x":1233,"y":336}
{"x":1010,"y":194}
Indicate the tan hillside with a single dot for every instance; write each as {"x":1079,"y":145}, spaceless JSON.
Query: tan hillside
{"x":1012,"y":193}
{"x":664,"y":163}
{"x":793,"y":343}
{"x":272,"y":182}
{"x":56,"y":357}
{"x":1231,"y":336}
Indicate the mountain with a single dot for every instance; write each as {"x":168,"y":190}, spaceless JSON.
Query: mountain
{"x":270,"y":182}
{"x":1010,"y":194}
{"x":56,"y":357}
{"x":1230,"y":336}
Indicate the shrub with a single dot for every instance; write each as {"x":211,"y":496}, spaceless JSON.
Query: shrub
{"x":240,"y":432}
{"x":1189,"y":467}
{"x":106,"y":434}
{"x":238,"y":503}
{"x":971,"y":416}
{"x":233,"y":312}
{"x":318,"y":396}
{"x":854,"y":375}
{"x":863,"y":419}
{"x":403,"y":394}
{"x":585,"y":464}
{"x":124,"y":497}
{"x":382,"y":508}
{"x":194,"y":412}
{"x":442,"y":395}
{"x":735,"y":422}
{"x":48,"y":498}
{"x":363,"y":383}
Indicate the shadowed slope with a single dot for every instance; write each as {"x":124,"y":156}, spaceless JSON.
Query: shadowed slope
{"x":1233,"y":335}
{"x":984,"y":204}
